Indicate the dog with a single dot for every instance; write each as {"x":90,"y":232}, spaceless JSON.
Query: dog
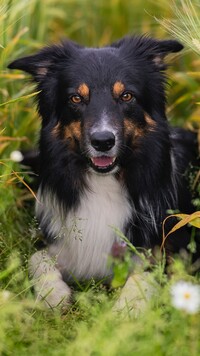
{"x":108,"y":157}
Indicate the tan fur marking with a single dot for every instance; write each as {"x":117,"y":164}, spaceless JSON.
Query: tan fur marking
{"x":83,"y":90}
{"x":72,"y":132}
{"x":151,"y":123}
{"x":118,"y":88}
{"x":132,"y":130}
{"x":42,"y":71}
{"x":56,"y":130}
{"x":43,"y":68}
{"x":158,"y":60}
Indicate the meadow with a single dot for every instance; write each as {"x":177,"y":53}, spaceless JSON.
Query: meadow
{"x":90,"y":326}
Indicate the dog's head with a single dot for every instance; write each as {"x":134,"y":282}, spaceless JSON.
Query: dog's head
{"x":101,"y":102}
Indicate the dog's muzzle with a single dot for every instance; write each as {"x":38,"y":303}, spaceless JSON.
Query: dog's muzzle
{"x":103,"y":143}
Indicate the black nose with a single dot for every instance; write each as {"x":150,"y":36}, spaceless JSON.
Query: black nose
{"x":102,"y":141}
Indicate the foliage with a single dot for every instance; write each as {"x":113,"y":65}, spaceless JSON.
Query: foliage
{"x":90,"y":327}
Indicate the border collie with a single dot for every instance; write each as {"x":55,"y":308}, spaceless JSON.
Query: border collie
{"x":108,"y":157}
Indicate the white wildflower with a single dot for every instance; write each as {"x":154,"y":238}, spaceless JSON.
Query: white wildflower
{"x":186,"y":296}
{"x":5,"y":295}
{"x":16,"y":156}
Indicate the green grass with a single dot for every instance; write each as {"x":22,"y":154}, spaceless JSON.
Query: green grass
{"x":90,"y":327}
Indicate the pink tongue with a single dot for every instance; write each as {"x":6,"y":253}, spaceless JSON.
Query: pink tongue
{"x":102,"y":161}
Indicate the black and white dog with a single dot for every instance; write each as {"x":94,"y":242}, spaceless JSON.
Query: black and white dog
{"x":107,"y":156}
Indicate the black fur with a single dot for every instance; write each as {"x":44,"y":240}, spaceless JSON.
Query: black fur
{"x":151,"y":157}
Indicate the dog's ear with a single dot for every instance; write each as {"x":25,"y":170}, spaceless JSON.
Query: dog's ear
{"x":162,"y":49}
{"x":168,"y":46}
{"x":39,"y":64}
{"x":148,"y":48}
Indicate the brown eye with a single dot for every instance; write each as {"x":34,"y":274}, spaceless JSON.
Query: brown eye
{"x":126,"y":96}
{"x":76,"y":99}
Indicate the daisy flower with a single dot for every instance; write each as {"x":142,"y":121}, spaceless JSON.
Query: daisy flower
{"x":186,"y":296}
{"x":16,"y":156}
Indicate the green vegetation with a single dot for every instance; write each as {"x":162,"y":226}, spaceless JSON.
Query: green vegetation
{"x":90,"y":327}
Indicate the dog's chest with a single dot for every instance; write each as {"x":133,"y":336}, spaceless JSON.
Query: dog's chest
{"x":84,"y":238}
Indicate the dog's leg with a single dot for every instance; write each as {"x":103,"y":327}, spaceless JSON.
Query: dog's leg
{"x":47,"y":281}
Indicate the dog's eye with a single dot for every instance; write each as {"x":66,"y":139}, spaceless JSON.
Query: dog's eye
{"x":76,"y":99}
{"x":126,"y":96}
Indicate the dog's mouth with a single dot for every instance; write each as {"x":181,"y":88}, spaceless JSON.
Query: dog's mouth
{"x":103,"y":164}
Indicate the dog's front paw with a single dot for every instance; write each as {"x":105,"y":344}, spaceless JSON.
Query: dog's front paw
{"x":47,"y":281}
{"x":136,"y":294}
{"x":55,"y":293}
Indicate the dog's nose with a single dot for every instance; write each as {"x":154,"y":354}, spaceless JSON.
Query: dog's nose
{"x":102,"y":141}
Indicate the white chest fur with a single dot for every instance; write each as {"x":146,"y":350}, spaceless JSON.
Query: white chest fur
{"x":84,"y":238}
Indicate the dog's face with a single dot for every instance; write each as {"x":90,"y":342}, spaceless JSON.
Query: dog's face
{"x":101,"y":103}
